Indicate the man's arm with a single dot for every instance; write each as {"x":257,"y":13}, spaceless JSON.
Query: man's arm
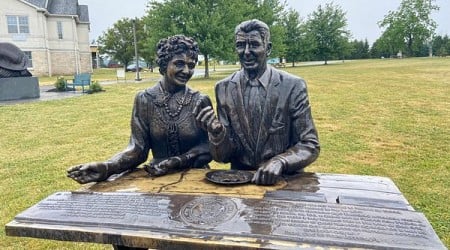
{"x":219,"y":131}
{"x":303,"y":136}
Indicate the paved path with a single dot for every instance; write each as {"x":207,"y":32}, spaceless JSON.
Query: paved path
{"x":46,"y":95}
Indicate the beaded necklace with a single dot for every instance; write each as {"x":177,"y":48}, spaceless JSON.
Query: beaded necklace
{"x":185,"y":99}
{"x":172,"y":122}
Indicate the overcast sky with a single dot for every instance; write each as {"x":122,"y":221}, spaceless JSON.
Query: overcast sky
{"x":362,"y":15}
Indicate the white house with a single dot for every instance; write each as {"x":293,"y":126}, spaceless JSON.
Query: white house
{"x":53,"y":33}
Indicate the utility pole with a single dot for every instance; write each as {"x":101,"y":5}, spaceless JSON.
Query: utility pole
{"x":136,"y":51}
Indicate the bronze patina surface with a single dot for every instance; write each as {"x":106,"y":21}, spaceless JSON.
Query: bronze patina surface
{"x":264,"y":120}
{"x":154,"y":220}
{"x":161,"y":121}
{"x":184,"y":210}
{"x":347,"y":189}
{"x":229,"y":177}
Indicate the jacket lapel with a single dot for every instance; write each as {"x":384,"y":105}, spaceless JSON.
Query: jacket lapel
{"x":239,"y":118}
{"x":270,"y":105}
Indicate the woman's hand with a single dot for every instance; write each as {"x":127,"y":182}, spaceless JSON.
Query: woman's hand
{"x":164,"y":167}
{"x":89,"y":172}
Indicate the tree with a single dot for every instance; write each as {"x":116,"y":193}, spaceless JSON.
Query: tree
{"x":147,"y":51}
{"x":359,"y":49}
{"x":210,"y":22}
{"x":383,"y":47}
{"x":441,"y":45}
{"x":410,"y":27}
{"x":293,"y":37}
{"x":271,"y":12}
{"x":326,"y":27}
{"x":118,"y":41}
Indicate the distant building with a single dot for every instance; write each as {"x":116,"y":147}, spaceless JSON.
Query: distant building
{"x":95,"y":56}
{"x":53,"y":33}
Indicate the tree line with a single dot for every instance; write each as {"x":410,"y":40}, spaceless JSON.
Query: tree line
{"x":322,"y":36}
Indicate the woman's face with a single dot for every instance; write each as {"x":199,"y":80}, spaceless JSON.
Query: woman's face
{"x":180,"y":69}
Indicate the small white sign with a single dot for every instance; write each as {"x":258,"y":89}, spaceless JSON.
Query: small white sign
{"x":120,"y":73}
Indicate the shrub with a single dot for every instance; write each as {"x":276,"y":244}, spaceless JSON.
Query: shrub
{"x":95,"y":87}
{"x":60,"y":84}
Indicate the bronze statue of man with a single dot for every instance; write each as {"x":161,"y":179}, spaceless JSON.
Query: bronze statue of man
{"x":264,"y":117}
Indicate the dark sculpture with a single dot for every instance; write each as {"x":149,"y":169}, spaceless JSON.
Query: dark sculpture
{"x":13,"y":62}
{"x":162,"y":120}
{"x":264,"y":118}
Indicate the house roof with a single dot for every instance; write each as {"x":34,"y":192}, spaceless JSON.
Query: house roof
{"x":83,"y":13}
{"x":63,"y":7}
{"x":37,"y":3}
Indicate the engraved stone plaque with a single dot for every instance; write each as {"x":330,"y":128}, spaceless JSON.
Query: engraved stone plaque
{"x":295,"y":196}
{"x":100,"y":216}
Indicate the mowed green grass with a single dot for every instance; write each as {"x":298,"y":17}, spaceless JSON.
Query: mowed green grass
{"x":375,"y":117}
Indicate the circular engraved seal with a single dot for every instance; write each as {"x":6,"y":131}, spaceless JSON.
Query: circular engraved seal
{"x":208,"y":211}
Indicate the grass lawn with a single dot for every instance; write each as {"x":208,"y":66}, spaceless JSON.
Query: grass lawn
{"x":375,"y":117}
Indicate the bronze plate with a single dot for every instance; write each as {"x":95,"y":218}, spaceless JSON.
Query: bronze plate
{"x":229,"y":177}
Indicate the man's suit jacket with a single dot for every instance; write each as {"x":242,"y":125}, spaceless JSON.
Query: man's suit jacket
{"x":287,"y":129}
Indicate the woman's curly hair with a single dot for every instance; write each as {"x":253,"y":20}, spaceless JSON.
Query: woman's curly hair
{"x":175,"y":45}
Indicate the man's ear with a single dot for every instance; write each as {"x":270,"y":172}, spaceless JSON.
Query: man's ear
{"x":269,"y":48}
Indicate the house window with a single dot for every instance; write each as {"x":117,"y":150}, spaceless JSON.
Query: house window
{"x":60,"y":30}
{"x":18,"y":24}
{"x":30,"y":59}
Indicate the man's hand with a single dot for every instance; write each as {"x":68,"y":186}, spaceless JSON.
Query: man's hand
{"x":207,"y":119}
{"x":89,"y":172}
{"x":268,"y":173}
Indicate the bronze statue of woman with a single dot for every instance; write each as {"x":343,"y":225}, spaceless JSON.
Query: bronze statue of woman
{"x":162,"y":121}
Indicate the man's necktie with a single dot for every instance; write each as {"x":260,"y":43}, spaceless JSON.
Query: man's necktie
{"x":254,"y":107}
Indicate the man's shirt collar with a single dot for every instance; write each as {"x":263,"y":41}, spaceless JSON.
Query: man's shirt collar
{"x":264,"y":79}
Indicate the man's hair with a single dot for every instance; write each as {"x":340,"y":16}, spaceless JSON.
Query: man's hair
{"x":257,"y":25}
{"x":175,"y":45}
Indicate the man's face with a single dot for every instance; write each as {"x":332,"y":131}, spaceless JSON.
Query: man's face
{"x":252,"y":51}
{"x":180,"y":69}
